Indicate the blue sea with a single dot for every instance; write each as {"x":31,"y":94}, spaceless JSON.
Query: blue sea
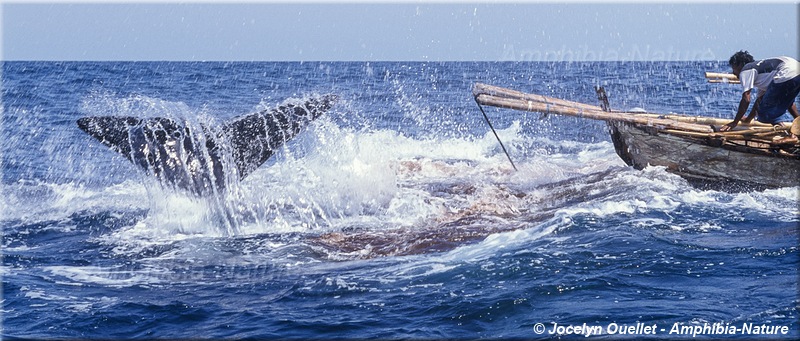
{"x":396,"y":215}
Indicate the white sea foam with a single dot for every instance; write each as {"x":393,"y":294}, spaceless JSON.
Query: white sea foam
{"x":57,"y":201}
{"x":112,"y":277}
{"x":779,"y":203}
{"x":73,"y":303}
{"x":331,"y":178}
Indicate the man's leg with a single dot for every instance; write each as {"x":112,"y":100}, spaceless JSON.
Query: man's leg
{"x":778,"y":98}
{"x":795,"y":132}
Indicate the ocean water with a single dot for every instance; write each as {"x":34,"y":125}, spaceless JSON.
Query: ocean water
{"x":394,"y":215}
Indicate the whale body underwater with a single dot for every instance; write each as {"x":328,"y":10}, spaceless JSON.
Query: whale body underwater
{"x":199,"y":159}
{"x":204,"y":160}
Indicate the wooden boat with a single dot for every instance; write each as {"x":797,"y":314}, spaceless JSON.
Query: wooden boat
{"x":690,"y":146}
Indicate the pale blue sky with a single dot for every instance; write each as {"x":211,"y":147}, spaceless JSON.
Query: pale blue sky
{"x":400,"y":31}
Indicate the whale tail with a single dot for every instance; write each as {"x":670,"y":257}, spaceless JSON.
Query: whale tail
{"x":198,"y":159}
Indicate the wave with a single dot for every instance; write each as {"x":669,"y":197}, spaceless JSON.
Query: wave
{"x":354,"y":192}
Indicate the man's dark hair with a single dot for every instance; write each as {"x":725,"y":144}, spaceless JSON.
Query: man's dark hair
{"x":740,"y":58}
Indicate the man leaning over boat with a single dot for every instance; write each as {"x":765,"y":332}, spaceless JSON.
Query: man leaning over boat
{"x":777,"y":81}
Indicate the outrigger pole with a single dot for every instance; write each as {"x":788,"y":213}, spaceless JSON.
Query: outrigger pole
{"x":673,"y":124}
{"x":511,"y":99}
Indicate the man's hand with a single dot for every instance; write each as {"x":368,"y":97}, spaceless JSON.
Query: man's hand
{"x":743,"y":104}
{"x":728,"y":127}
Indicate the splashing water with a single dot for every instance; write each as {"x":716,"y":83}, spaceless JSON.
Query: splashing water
{"x":395,"y":214}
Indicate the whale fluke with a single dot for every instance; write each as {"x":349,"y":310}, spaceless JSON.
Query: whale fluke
{"x":197,"y":158}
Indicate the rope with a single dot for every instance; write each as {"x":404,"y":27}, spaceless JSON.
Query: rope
{"x":495,"y":132}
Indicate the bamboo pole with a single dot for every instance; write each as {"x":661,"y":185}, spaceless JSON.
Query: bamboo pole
{"x":481,"y":90}
{"x":690,"y":126}
{"x":496,"y":91}
{"x":709,"y":120}
{"x":484,"y":89}
{"x":719,"y":136}
{"x":586,"y":111}
{"x":688,"y":133}
{"x":717,"y":77}
{"x":511,"y":99}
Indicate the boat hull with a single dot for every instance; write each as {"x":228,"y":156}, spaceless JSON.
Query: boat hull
{"x":705,"y":162}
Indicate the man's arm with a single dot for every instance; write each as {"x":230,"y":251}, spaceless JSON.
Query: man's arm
{"x":743,"y":104}
{"x":754,"y":111}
